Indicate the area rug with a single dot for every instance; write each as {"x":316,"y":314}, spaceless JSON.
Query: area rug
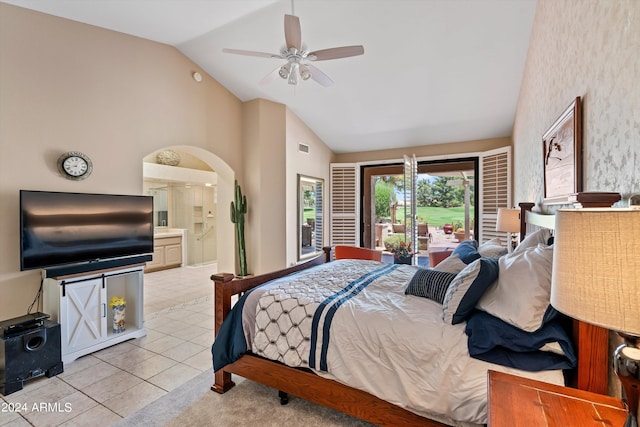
{"x":250,"y":403}
{"x":161,"y":411}
{"x":247,"y":404}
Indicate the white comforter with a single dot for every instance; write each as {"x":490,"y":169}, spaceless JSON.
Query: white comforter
{"x":392,"y":345}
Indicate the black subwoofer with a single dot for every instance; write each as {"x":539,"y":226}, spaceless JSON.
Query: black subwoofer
{"x":29,"y":348}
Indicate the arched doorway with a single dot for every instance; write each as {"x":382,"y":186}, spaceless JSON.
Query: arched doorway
{"x":216,"y":223}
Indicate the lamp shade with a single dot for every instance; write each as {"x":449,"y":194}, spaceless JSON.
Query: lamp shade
{"x":508,"y":220}
{"x":596,"y":267}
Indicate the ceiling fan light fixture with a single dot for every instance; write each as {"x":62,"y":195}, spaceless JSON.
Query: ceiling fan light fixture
{"x":285,"y":71}
{"x":305,"y":72}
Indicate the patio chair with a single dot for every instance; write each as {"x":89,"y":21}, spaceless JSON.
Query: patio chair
{"x":398,"y":228}
{"x":436,"y":257}
{"x":424,"y":237}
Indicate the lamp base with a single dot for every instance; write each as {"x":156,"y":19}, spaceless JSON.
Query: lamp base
{"x":627,"y":366}
{"x":512,"y":241}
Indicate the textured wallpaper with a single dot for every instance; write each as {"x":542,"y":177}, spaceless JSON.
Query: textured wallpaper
{"x":591,"y":49}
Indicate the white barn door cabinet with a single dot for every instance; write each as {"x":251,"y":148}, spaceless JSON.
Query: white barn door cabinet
{"x":80,"y":304}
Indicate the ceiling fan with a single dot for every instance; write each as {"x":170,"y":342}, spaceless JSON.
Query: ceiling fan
{"x":298,"y":58}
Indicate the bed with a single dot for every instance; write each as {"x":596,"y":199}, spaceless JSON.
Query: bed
{"x":411,"y":386}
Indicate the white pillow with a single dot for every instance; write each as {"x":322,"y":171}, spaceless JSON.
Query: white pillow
{"x":521,"y":294}
{"x":532,"y":240}
{"x":492,"y":249}
{"x":466,"y":289}
{"x":451,"y":264}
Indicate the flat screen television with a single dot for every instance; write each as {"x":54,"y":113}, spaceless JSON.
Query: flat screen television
{"x":88,"y":231}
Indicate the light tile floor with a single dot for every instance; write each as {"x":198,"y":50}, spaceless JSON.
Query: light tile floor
{"x":101,"y":388}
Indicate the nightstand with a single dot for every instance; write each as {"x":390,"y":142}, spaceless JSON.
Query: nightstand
{"x":520,"y":402}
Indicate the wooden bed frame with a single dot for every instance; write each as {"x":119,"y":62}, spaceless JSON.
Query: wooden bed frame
{"x":591,"y":342}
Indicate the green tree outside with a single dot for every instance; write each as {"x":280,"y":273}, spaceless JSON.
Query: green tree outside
{"x":385,"y":196}
{"x":438,"y":203}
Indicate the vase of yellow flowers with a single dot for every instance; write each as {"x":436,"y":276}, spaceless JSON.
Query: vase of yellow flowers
{"x":118,"y":305}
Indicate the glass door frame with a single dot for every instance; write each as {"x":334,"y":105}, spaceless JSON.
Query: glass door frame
{"x":367,"y":172}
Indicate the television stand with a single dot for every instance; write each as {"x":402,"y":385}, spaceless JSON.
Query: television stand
{"x":80,"y":304}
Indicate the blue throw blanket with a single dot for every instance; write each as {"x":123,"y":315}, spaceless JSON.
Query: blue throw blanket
{"x":230,"y":343}
{"x":492,"y":340}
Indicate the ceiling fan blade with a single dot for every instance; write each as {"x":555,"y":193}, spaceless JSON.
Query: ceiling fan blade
{"x":292,"y":32}
{"x":335,"y":53}
{"x":270,"y":77}
{"x":252,"y":53}
{"x":319,"y":76}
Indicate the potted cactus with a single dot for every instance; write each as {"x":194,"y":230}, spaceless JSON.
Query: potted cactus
{"x":238,"y":211}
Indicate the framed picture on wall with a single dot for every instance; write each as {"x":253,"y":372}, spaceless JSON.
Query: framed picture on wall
{"x":562,"y":156}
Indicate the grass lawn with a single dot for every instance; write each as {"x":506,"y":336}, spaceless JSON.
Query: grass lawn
{"x":440,"y":216}
{"x":308,"y":213}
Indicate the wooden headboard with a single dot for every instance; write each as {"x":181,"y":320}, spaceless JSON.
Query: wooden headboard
{"x":592,"y":342}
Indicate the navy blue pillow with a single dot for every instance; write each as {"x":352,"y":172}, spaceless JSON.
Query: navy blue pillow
{"x":495,"y":341}
{"x":431,"y":284}
{"x":468,"y":251}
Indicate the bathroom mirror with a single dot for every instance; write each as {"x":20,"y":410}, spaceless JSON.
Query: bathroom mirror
{"x":310,"y":219}
{"x":160,"y":205}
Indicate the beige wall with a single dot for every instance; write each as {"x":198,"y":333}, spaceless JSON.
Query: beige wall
{"x":70,"y":86}
{"x":313,"y":164}
{"x":586,"y":48}
{"x":265,"y":181}
{"x":434,"y":150}
{"x":272,"y":163}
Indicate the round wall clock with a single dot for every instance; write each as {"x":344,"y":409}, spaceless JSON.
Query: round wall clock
{"x":75,"y":165}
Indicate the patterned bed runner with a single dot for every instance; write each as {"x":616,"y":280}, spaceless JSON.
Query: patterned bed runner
{"x":293,"y":319}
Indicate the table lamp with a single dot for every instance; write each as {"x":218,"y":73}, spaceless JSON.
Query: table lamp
{"x":596,"y":279}
{"x":509,"y":221}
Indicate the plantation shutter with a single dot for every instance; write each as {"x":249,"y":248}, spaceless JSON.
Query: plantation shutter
{"x":411,"y":216}
{"x":495,"y":190}
{"x":344,"y":206}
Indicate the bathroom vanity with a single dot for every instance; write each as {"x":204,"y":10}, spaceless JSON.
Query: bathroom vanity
{"x":167,"y":250}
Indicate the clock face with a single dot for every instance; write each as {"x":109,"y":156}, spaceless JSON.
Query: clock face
{"x":75,"y":165}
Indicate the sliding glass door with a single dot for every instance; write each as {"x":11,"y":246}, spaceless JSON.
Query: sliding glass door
{"x":427,"y":203}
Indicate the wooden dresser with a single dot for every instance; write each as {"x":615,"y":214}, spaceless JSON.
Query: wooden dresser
{"x":520,"y":402}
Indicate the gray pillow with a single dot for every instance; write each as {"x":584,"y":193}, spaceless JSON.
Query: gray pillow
{"x":521,"y":296}
{"x":431,"y":284}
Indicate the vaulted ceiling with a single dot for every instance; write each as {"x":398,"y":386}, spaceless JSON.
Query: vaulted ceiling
{"x":433,"y":71}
